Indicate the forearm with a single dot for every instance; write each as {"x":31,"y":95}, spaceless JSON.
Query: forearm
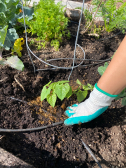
{"x":113,"y":80}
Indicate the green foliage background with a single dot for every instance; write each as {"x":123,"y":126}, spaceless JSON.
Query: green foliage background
{"x":113,"y":18}
{"x":48,"y":23}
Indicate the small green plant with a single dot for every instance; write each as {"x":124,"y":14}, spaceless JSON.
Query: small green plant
{"x":113,"y":18}
{"x":51,"y":91}
{"x":102,"y":69}
{"x":62,"y":89}
{"x":48,"y":23}
{"x":123,"y":96}
{"x":82,"y":91}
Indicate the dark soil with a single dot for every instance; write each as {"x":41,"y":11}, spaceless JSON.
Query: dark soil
{"x":60,"y":146}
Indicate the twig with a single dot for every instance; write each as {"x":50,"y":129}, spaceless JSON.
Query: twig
{"x":3,"y":79}
{"x":2,"y":137}
{"x":19,"y":84}
{"x":8,"y":54}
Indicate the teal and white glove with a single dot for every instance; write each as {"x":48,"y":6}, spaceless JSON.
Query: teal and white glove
{"x":90,"y":109}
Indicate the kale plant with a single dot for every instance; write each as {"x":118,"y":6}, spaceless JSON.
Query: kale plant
{"x":8,"y":11}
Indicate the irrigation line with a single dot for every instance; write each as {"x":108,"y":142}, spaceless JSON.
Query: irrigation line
{"x":91,"y":153}
{"x":81,"y":66}
{"x":54,"y":59}
{"x":27,"y":38}
{"x":30,"y":129}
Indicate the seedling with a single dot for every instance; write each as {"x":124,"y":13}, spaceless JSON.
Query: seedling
{"x":82,"y":90}
{"x":51,"y":91}
{"x":62,"y":89}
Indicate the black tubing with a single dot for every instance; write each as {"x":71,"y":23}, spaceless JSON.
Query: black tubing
{"x":30,"y":129}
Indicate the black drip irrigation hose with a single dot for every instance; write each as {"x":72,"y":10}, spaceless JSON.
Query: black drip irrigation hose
{"x":4,"y":130}
{"x":30,"y":129}
{"x":91,"y":153}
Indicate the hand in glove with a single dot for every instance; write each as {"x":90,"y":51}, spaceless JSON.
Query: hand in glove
{"x":90,"y":109}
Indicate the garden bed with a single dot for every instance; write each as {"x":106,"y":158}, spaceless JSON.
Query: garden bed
{"x":60,"y":146}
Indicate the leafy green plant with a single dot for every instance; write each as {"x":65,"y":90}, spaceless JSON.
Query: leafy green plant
{"x":62,"y":89}
{"x":9,"y":11}
{"x":123,"y":96}
{"x":82,"y":91}
{"x":113,"y":18}
{"x":102,"y":69}
{"x":58,"y":89}
{"x":48,"y":23}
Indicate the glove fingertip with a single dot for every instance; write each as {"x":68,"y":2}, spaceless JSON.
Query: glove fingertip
{"x":74,"y":105}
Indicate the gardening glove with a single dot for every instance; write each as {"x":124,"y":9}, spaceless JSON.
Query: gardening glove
{"x":90,"y":109}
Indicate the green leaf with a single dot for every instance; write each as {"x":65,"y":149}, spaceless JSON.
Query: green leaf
{"x":69,"y":94}
{"x":3,"y":7}
{"x":85,"y":87}
{"x":122,"y":94}
{"x":63,"y":81}
{"x":10,"y":38}
{"x":62,"y":90}
{"x":3,"y":21}
{"x":45,"y":92}
{"x":124,"y":101}
{"x":102,"y":69}
{"x":78,"y":82}
{"x":88,"y":87}
{"x":81,"y":95}
{"x":3,"y":33}
{"x":15,"y":62}
{"x":52,"y":86}
{"x":28,"y":12}
{"x":51,"y":99}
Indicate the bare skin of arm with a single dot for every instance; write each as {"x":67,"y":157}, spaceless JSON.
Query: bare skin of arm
{"x":113,"y":80}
